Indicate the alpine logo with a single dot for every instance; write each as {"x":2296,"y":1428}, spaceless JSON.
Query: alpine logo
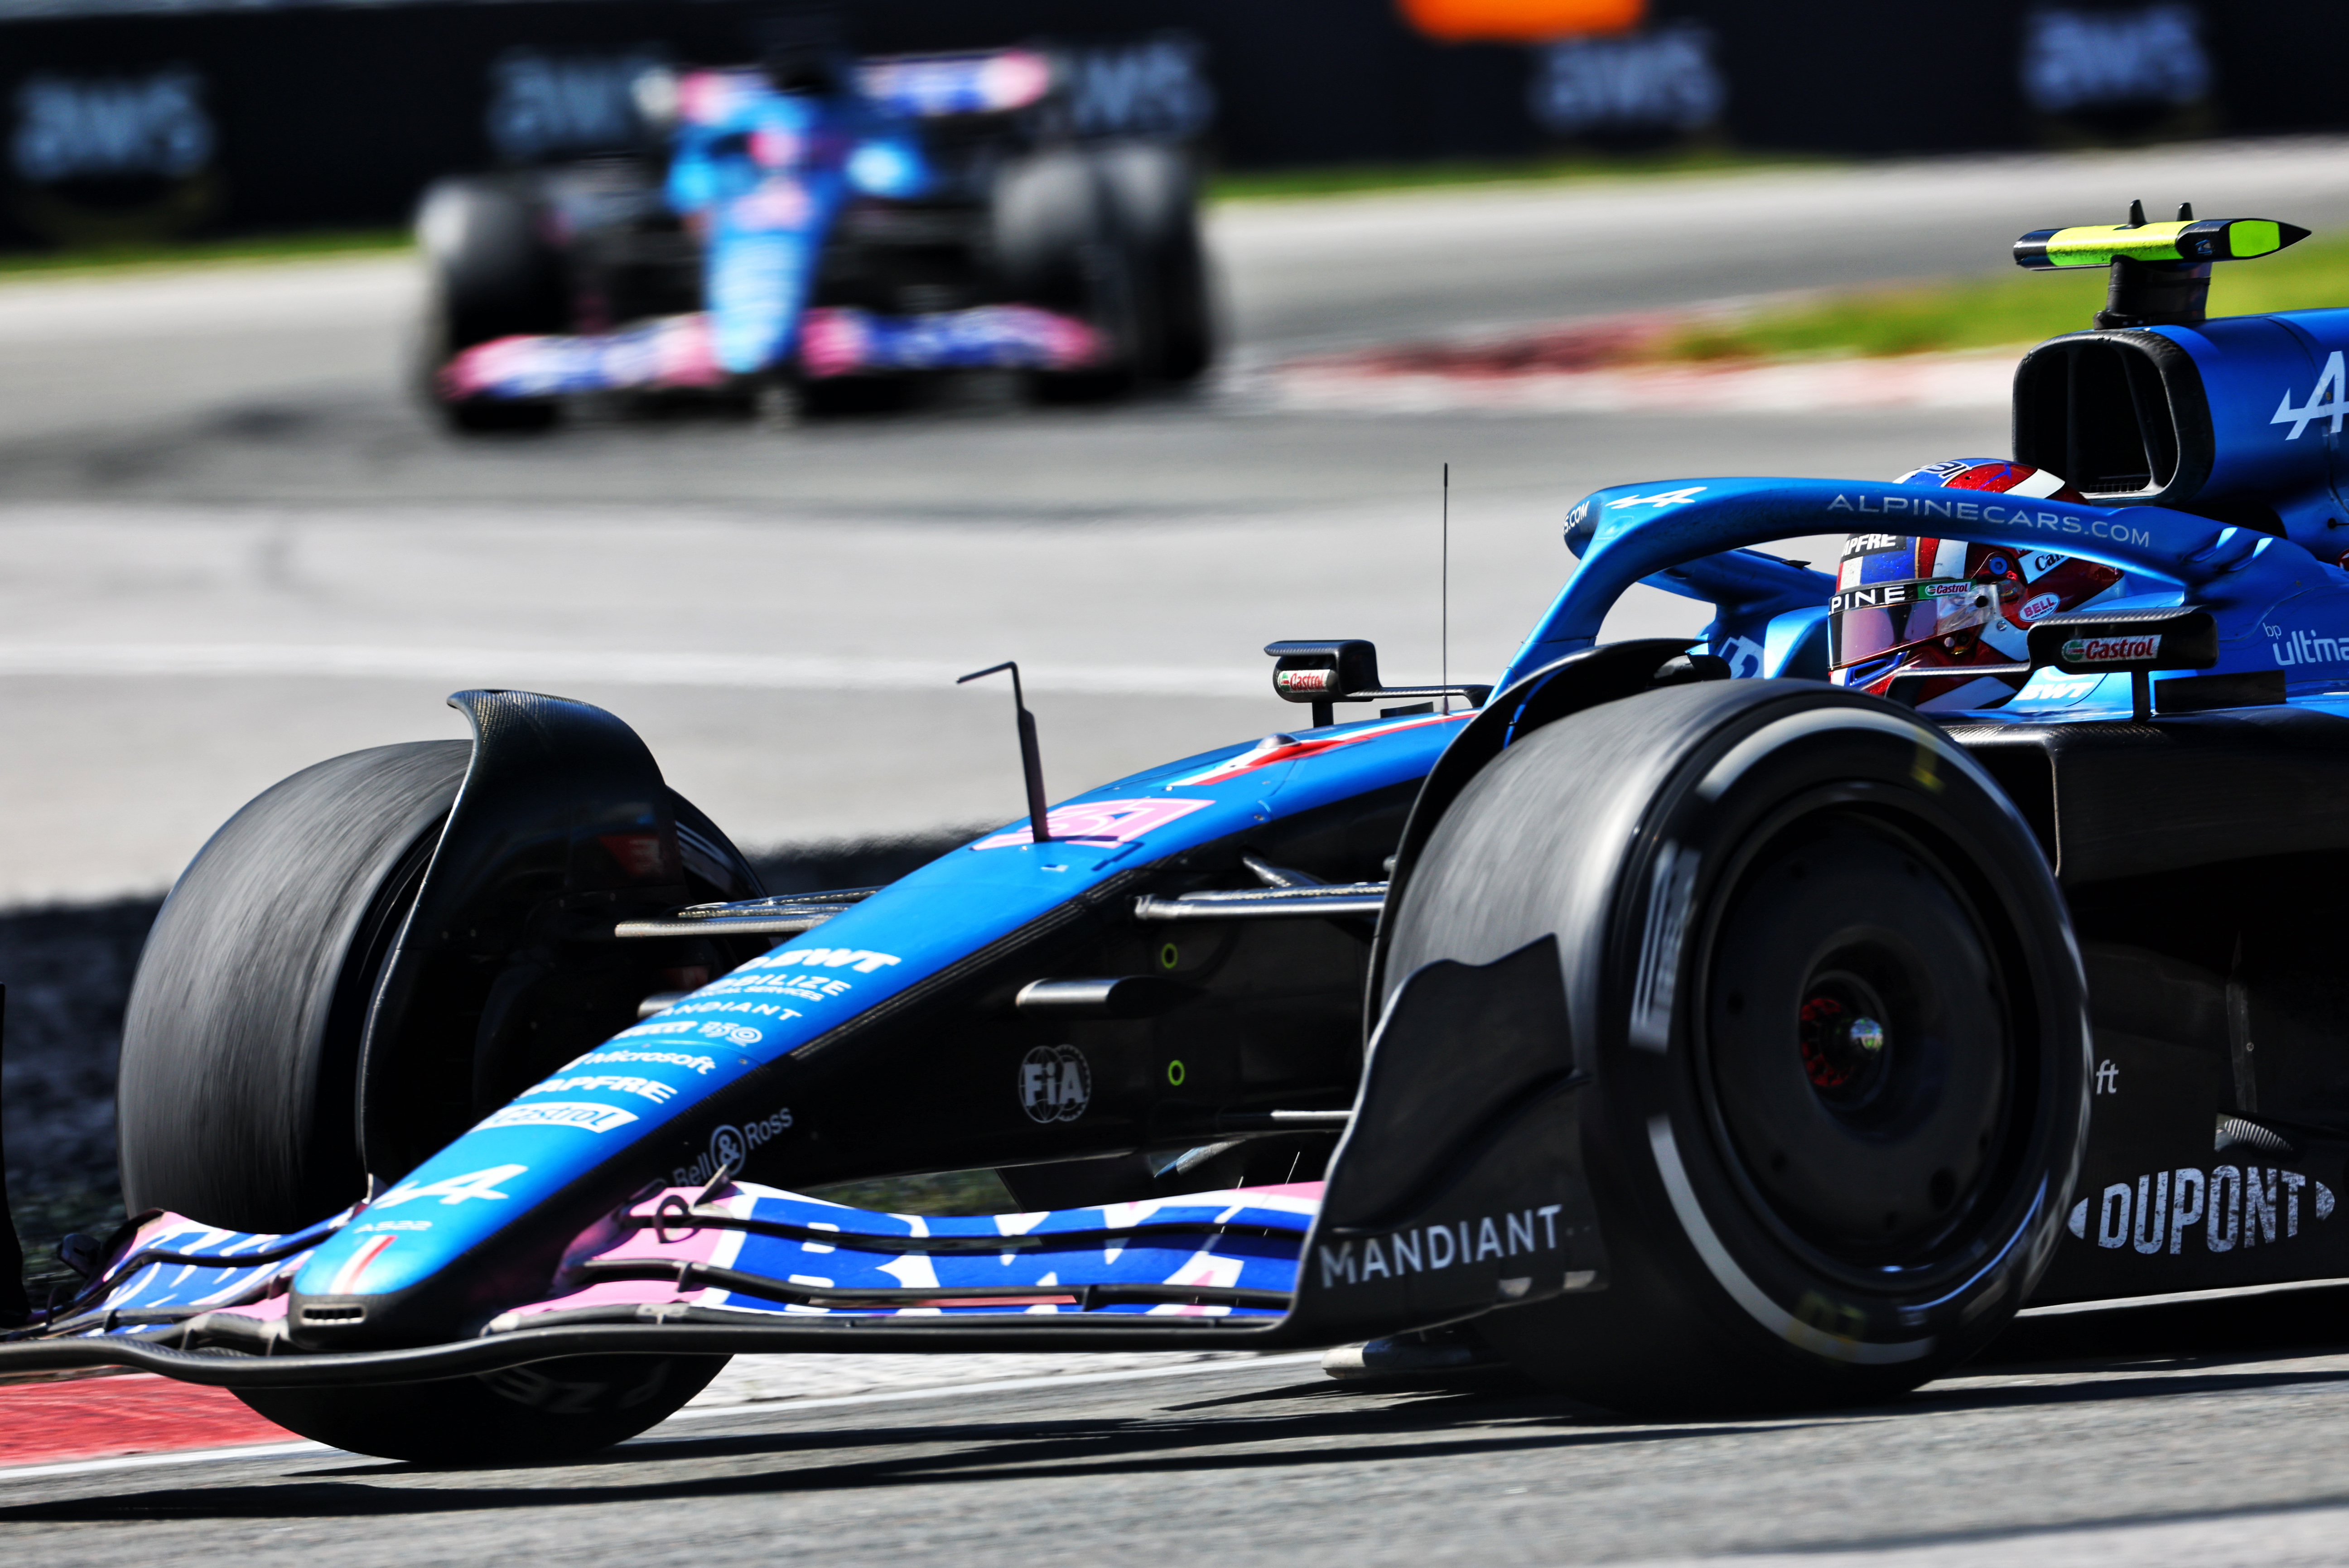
{"x":2112,"y":650}
{"x":2333,"y":381}
{"x":452,"y":1190}
{"x":1663,"y":498}
{"x":1890,"y":596}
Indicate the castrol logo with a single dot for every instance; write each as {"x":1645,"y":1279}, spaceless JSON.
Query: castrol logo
{"x":2111,"y":650}
{"x":1307,"y":681}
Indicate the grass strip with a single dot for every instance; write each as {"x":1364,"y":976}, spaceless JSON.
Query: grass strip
{"x":1334,"y":180}
{"x":1996,"y":312}
{"x":159,"y":255}
{"x":1357,"y":179}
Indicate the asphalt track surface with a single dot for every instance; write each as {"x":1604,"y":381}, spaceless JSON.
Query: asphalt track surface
{"x":2206,"y":1463}
{"x":227,"y":549}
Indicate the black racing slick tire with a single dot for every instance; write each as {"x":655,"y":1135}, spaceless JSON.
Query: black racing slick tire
{"x":541,"y":1411}
{"x":1153,"y":190}
{"x":489,"y":275}
{"x":1056,"y":244}
{"x":236,"y":1096}
{"x":1828,"y":996}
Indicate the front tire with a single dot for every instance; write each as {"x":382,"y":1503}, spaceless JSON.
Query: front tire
{"x":1827,"y":991}
{"x":237,"y":1092}
{"x":489,"y":275}
{"x":238,"y":1096}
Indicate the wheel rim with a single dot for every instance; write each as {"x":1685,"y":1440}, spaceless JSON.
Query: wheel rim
{"x":1860,"y":1048}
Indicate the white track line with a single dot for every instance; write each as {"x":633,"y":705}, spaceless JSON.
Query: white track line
{"x":182,"y":1457}
{"x":894,"y":1395}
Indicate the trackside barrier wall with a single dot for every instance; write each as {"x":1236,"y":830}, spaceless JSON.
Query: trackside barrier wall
{"x":133,"y":120}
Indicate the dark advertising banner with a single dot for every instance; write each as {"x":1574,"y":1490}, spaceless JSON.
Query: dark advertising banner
{"x":138,"y":123}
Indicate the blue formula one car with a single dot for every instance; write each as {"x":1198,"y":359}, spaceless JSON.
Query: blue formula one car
{"x":820,"y":229}
{"x":1702,"y":1032}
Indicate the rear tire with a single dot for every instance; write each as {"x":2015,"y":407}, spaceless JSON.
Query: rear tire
{"x":1155,"y":192}
{"x":545,"y":1410}
{"x":1828,"y":993}
{"x":490,"y":276}
{"x":1058,"y":245}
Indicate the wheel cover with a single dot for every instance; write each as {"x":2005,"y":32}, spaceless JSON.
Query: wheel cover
{"x":1861,"y":1047}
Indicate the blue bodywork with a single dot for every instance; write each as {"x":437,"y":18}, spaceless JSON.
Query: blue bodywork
{"x":764,"y":174}
{"x":2277,"y":606}
{"x":660,"y":1071}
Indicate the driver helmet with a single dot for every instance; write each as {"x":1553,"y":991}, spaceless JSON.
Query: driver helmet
{"x":1906,"y":603}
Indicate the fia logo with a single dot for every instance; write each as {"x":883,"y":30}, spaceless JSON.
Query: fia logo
{"x":2334,"y":381}
{"x":1055,"y":1084}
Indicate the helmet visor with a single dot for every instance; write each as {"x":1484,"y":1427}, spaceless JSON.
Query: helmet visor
{"x":1872,"y":619}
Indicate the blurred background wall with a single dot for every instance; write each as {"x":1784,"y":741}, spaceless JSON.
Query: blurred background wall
{"x":138,"y":119}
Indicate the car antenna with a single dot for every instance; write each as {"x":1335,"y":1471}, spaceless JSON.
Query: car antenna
{"x":1443,"y":596}
{"x":1031,"y":760}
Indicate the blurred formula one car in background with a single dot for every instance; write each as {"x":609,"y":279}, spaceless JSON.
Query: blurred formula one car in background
{"x":817,"y":224}
{"x":1703,"y":1032}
